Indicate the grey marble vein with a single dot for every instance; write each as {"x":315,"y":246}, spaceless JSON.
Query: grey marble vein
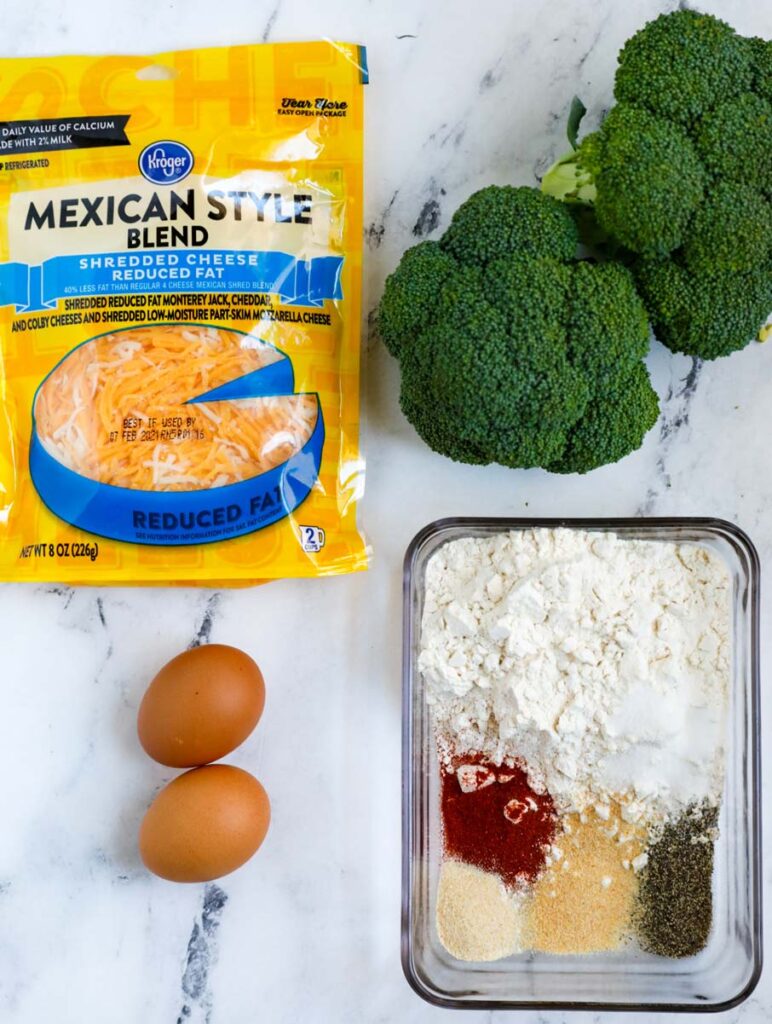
{"x":376,"y":229}
{"x":430,"y":214}
{"x":673,"y":419}
{"x":265,"y":37}
{"x":204,"y":631}
{"x":201,"y":957}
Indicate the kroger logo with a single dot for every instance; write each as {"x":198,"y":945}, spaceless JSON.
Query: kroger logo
{"x":165,"y":162}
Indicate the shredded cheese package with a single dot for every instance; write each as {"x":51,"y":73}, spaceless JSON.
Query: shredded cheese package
{"x":180,"y":272}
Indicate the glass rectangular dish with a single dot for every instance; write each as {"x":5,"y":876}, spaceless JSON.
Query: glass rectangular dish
{"x":721,"y":975}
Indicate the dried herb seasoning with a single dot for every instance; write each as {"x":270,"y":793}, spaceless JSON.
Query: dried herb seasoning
{"x":674,"y":912}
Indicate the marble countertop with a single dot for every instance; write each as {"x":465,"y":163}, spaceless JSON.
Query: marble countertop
{"x":460,"y":96}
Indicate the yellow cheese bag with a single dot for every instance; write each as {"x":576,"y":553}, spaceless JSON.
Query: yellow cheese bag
{"x":180,"y":274}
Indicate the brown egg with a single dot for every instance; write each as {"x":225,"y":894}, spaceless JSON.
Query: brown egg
{"x":201,"y":706}
{"x":204,"y":824}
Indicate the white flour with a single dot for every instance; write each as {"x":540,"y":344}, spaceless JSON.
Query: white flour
{"x":602,"y":663}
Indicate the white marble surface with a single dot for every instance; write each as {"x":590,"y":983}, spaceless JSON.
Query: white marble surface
{"x":462,"y":94}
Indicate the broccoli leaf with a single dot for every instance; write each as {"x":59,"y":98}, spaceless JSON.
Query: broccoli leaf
{"x":575,"y":115}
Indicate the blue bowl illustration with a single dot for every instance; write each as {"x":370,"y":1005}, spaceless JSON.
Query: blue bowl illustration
{"x":196,"y":516}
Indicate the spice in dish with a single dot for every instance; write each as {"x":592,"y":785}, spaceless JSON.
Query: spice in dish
{"x":582,"y":903}
{"x":493,"y":819}
{"x":674,"y":912}
{"x":478,"y":918}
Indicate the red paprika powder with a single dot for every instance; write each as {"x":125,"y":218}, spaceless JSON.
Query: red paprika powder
{"x":493,"y":819}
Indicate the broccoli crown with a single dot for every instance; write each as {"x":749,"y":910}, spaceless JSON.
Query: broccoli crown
{"x":683,"y":64}
{"x":732,"y":230}
{"x":680,"y":168}
{"x":502,"y":358}
{"x":648,"y":176}
{"x":704,"y":315}
{"x":734,"y":141}
{"x":500,"y":220}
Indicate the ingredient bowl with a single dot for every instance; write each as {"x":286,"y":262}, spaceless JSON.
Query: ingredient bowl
{"x":720,"y":975}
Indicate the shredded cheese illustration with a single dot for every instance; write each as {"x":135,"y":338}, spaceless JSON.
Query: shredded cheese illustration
{"x":117,"y":410}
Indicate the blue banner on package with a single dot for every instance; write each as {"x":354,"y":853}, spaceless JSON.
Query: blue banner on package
{"x":275,"y":379}
{"x":177,"y":517}
{"x":297,"y":282}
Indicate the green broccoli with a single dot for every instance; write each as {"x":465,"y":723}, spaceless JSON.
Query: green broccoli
{"x":732,"y":230}
{"x":501,"y":220}
{"x":681,"y":65}
{"x":704,"y":315}
{"x":648,"y":179}
{"x":734,"y":141}
{"x":761,"y":60}
{"x":611,"y":425}
{"x":511,"y":351}
{"x":680,"y":168}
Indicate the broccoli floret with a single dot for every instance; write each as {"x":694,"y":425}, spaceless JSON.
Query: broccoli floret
{"x":682,"y":64}
{"x":514,"y":350}
{"x":735,"y":139}
{"x":466,"y":366}
{"x":411,"y":293}
{"x":648,"y":179}
{"x":732,"y":230}
{"x":608,"y":333}
{"x":533,"y":294}
{"x":613,"y":425}
{"x":501,"y":220}
{"x":705,"y":315}
{"x":437,"y":427}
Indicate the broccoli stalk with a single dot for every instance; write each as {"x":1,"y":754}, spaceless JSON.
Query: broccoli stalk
{"x":567,"y":179}
{"x":570,"y":182}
